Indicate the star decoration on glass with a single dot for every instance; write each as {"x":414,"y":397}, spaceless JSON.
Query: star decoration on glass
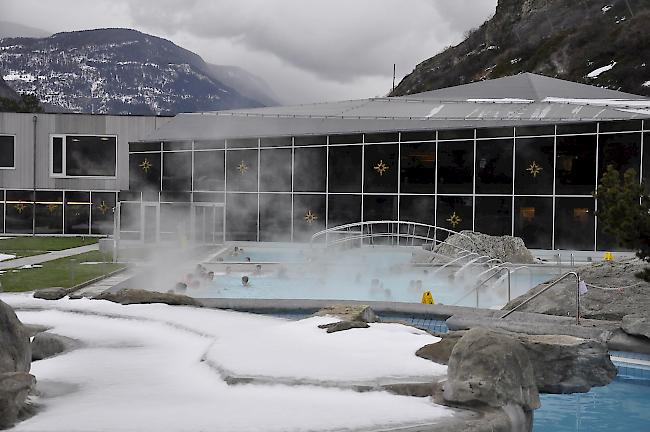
{"x":381,"y":168}
{"x":20,"y":207}
{"x":103,"y":207}
{"x":534,"y":169}
{"x":311,"y":217}
{"x":242,"y":167}
{"x":146,"y":165}
{"x":454,"y":220}
{"x":51,"y":208}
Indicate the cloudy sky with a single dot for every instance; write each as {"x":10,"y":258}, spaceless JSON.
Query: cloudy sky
{"x":307,"y":50}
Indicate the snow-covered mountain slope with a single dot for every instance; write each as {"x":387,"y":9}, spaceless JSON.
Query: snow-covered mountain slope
{"x":117,"y":71}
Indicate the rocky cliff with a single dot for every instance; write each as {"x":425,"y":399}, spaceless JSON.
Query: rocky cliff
{"x":598,"y":42}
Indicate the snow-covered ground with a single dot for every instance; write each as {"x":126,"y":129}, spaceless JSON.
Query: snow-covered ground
{"x":4,"y":257}
{"x":597,"y":72}
{"x":141,"y":368}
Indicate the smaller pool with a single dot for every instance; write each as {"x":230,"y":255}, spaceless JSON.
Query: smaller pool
{"x":623,"y":405}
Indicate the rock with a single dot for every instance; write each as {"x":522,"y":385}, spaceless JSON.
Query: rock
{"x":14,"y":388}
{"x":360,"y":313}
{"x":34,"y":329}
{"x":45,"y":345}
{"x":493,"y":369}
{"x":561,"y":364}
{"x":51,"y":293}
{"x":600,"y":304}
{"x":15,"y":353}
{"x":637,"y":324}
{"x":343,"y":325}
{"x":505,"y":248}
{"x":137,"y":296}
{"x":440,"y":351}
{"x":15,"y":362}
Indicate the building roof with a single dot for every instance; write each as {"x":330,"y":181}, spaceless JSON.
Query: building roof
{"x":523,"y":99}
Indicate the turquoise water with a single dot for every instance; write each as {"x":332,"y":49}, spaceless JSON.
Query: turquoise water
{"x":623,"y":405}
{"x":371,"y":274}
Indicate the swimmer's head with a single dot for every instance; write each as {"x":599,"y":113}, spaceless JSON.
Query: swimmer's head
{"x":244,"y":280}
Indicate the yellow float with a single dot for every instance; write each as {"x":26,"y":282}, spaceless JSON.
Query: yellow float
{"x":427,"y":298}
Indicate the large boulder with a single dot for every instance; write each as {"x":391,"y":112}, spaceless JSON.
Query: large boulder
{"x":505,"y":248}
{"x":137,"y":296}
{"x":637,"y":324}
{"x":603,"y":304}
{"x":561,"y":364}
{"x":46,"y":345}
{"x":15,"y":361}
{"x":491,"y":368}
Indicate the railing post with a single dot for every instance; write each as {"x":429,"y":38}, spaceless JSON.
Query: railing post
{"x":509,"y":290}
{"x":577,"y":299}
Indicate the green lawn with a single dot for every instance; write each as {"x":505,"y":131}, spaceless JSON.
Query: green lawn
{"x":63,"y":272}
{"x":28,"y":246}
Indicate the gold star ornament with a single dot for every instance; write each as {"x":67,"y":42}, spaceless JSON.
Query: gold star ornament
{"x":454,"y":220}
{"x":103,"y":208}
{"x":20,"y":207}
{"x":534,"y":169}
{"x":242,"y":167}
{"x":146,"y":165}
{"x":51,"y":208}
{"x":381,"y":168}
{"x":310,"y":217}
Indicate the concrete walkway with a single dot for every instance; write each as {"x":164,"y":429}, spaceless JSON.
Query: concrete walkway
{"x":105,"y":284}
{"x":50,"y":256}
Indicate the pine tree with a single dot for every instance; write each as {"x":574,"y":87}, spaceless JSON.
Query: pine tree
{"x":624,"y":212}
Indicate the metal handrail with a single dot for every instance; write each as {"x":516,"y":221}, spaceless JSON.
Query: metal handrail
{"x":557,"y":281}
{"x":480,"y":285}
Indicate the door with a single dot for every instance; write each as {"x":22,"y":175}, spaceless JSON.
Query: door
{"x":208,"y":223}
{"x":150,"y":222}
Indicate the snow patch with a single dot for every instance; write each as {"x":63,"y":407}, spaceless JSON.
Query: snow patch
{"x":435,"y":110}
{"x":502,"y":100}
{"x":4,"y":257}
{"x":646,"y":84}
{"x":597,"y":72}
{"x":141,"y":365}
{"x":605,"y":9}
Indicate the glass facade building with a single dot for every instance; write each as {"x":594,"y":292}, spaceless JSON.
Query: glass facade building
{"x":532,"y":182}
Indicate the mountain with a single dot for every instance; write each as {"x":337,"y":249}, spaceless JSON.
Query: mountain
{"x":602,"y":43}
{"x":115,"y":71}
{"x":247,"y":84}
{"x":7,"y":92}
{"x":11,"y":29}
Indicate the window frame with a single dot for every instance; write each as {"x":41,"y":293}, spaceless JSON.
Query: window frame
{"x":14,"y":155}
{"x":64,"y":173}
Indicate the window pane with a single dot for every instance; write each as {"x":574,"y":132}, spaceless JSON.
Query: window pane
{"x":618,"y":126}
{"x":144,"y":146}
{"x":418,"y":209}
{"x":346,"y":139}
{"x":534,"y":221}
{"x":376,"y":208}
{"x":493,"y":215}
{"x":130,"y":220}
{"x":455,"y":167}
{"x":535,"y":130}
{"x":144,"y":171}
{"x":345,"y":169}
{"x":343,"y":209}
{"x":576,"y":165}
{"x":177,"y":145}
{"x":241,"y":217}
{"x":19,"y":212}
{"x":495,"y":132}
{"x":534,"y":166}
{"x":57,"y":155}
{"x":77,"y":212}
{"x":576,"y":128}
{"x":308,"y":140}
{"x":494,"y":166}
{"x":574,"y":223}
{"x":623,"y":151}
{"x":6,"y":151}
{"x":102,"y":212}
{"x":90,"y":156}
{"x":209,"y":170}
{"x":276,"y":142}
{"x":177,"y":171}
{"x":456,"y":134}
{"x":381,"y":137}
{"x":242,"y":143}
{"x":380,"y":168}
{"x":275,"y":170}
{"x":419,"y":136}
{"x":209,"y":144}
{"x":308,"y":216}
{"x":241,"y":170}
{"x":275,"y":217}
{"x":454,"y":213}
{"x":49,"y":212}
{"x":310,"y":165}
{"x":418,"y":168}
{"x":175,"y":220}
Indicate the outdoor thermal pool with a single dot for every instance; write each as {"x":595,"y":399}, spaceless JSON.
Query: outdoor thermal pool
{"x":371,"y":273}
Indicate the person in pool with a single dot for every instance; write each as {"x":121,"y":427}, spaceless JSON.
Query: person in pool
{"x":244,"y":281}
{"x":258,"y":269}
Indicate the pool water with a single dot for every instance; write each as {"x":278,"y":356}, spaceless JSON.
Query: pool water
{"x":370,"y":274}
{"x":623,"y":405}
